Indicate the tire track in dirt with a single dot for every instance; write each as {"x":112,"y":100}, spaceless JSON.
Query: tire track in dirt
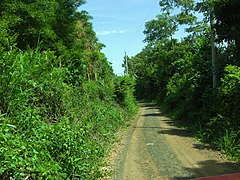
{"x":155,"y":148}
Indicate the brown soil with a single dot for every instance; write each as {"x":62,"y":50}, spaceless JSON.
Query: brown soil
{"x":154,"y":147}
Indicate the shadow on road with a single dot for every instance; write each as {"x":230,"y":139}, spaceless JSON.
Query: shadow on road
{"x":182,"y":129}
{"x":153,"y":114}
{"x":177,"y":127}
{"x":175,"y":132}
{"x":149,"y":108}
{"x":211,"y":168}
{"x":201,"y":146}
{"x":148,"y":105}
{"x":137,"y":127}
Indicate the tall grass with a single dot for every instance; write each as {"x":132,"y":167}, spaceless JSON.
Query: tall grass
{"x":50,"y":129}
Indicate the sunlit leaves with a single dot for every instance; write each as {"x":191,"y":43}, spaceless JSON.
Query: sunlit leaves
{"x":169,"y":5}
{"x":58,"y":114}
{"x":161,"y":28}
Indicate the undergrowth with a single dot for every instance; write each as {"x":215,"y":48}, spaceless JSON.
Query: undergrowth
{"x":50,"y":129}
{"x":214,"y":114}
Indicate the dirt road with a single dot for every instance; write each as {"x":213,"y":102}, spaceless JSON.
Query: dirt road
{"x":155,"y":148}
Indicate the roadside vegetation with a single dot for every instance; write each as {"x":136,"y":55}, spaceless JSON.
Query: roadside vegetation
{"x":60,"y":103}
{"x":197,"y":78}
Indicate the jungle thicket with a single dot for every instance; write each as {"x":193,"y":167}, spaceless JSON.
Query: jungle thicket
{"x":198,"y":77}
{"x":60,"y":103}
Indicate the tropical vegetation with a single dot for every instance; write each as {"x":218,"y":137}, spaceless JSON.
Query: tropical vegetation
{"x":196,"y":78}
{"x":60,"y":102}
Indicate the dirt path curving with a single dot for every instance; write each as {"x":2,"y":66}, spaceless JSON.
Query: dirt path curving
{"x":155,"y":148}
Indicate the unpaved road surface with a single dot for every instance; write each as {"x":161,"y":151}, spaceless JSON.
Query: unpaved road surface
{"x":155,"y":148}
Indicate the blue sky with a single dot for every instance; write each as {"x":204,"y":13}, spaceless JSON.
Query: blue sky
{"x":119,"y":24}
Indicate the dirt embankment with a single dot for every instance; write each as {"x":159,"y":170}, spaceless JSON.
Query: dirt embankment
{"x":155,"y":148}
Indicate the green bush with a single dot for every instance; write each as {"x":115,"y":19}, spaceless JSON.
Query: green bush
{"x":124,"y":91}
{"x":58,"y":113}
{"x":50,"y":129}
{"x":220,"y":114}
{"x":229,"y":94}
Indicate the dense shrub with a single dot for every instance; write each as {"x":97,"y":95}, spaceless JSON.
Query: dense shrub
{"x":58,"y":112}
{"x":223,"y":128}
{"x":180,"y":77}
{"x":50,"y":129}
{"x":124,"y":90}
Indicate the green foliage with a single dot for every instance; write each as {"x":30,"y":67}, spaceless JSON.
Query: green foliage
{"x":161,"y":28}
{"x":30,"y":80}
{"x":58,"y":108}
{"x":124,"y":90}
{"x":229,"y":144}
{"x":227,"y":25}
{"x":229,"y":95}
{"x":224,"y":115}
{"x":180,"y":74}
{"x":26,"y":155}
{"x":52,"y":129}
{"x":46,"y":22}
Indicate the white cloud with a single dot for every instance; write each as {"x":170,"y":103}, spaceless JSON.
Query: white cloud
{"x":104,"y":33}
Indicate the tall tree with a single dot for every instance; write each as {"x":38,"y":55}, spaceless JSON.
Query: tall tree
{"x":228,"y":21}
{"x":50,"y":22}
